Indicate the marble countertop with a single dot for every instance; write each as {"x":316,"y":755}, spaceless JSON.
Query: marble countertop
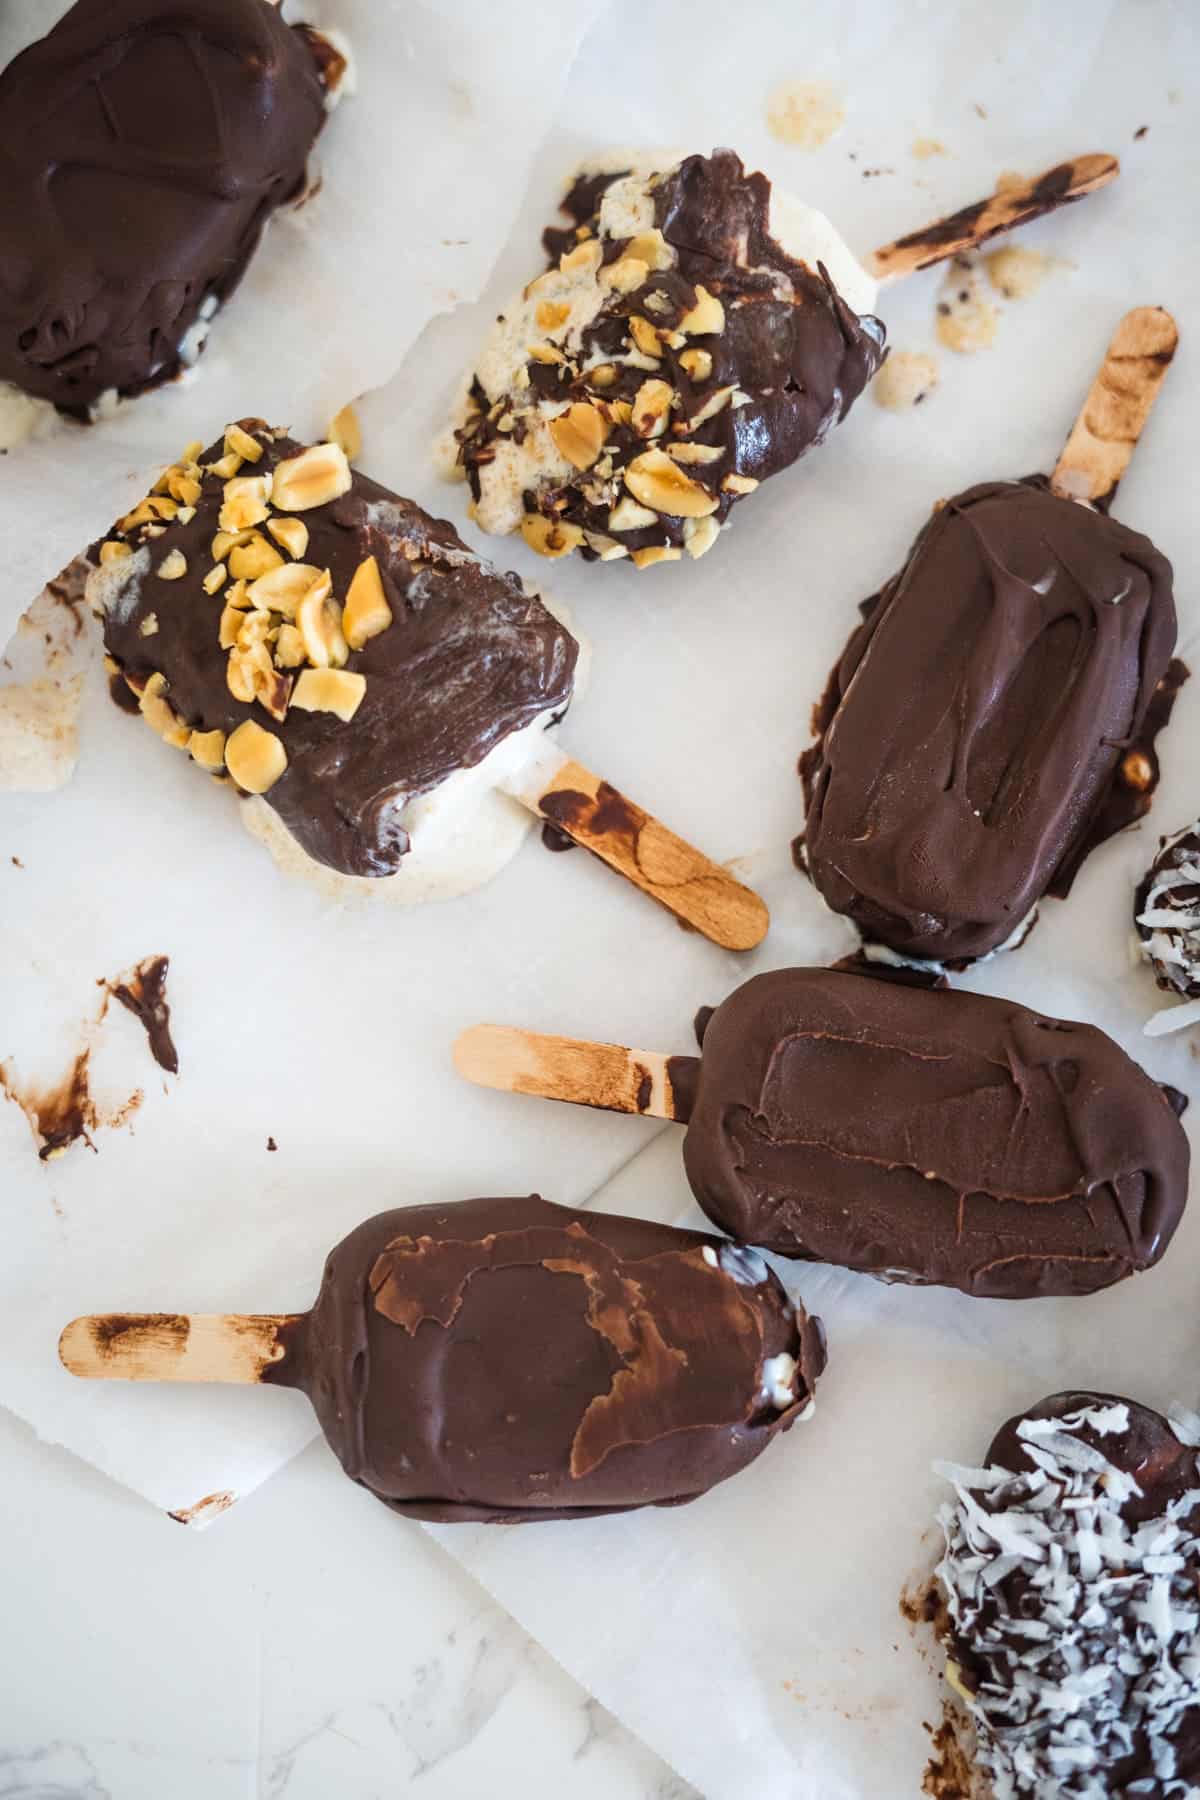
{"x":307,"y":1645}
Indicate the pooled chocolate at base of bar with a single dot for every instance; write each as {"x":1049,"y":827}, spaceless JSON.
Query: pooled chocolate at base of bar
{"x":142,"y":150}
{"x":460,"y":656}
{"x":932,"y":1137}
{"x":972,"y":732}
{"x":508,"y":1359}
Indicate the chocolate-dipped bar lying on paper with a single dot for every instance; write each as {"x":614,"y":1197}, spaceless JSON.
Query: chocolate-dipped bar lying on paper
{"x":696,"y":332}
{"x":992,"y":718}
{"x":509,"y":1360}
{"x":918,"y":1135}
{"x":1070,"y":1580}
{"x":345,"y":658}
{"x":142,"y":150}
{"x":1166,"y":913}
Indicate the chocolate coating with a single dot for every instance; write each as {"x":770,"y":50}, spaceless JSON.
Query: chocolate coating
{"x":509,"y":1359}
{"x":1167,"y":914}
{"x":468,"y":659}
{"x":973,"y":727}
{"x":931,"y":1136}
{"x":793,"y":351}
{"x":1081,"y":1660}
{"x":142,"y":149}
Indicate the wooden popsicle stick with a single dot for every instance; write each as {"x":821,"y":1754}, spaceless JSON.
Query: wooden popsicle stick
{"x":174,"y":1346}
{"x":1119,"y":401}
{"x":973,"y":225}
{"x":593,"y":813}
{"x":561,"y":1068}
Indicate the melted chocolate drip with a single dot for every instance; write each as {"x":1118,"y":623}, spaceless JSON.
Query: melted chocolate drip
{"x":971,"y":733}
{"x":468,"y":659}
{"x":142,"y":150}
{"x":143,"y":992}
{"x":508,"y":1360}
{"x":1000,"y":1152}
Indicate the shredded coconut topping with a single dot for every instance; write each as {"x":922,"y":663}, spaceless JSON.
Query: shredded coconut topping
{"x":1169,"y":924}
{"x":1084,"y":1627}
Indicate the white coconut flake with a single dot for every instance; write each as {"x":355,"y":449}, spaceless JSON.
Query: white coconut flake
{"x":1109,"y":1664}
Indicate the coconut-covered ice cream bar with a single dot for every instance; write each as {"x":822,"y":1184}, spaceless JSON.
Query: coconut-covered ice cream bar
{"x":380,"y":693}
{"x":694,"y":335}
{"x":1167,"y":915}
{"x":1070,"y":1577}
{"x":508,"y":1359}
{"x":142,"y":151}
{"x":917,"y":1135}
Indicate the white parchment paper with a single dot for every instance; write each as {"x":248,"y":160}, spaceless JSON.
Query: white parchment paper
{"x":755,"y":1639}
{"x":329,"y":1028}
{"x":417,"y":178}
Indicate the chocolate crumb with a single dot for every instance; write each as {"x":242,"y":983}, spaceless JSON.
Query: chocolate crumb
{"x":271,"y":1144}
{"x":1141,"y":131}
{"x":17,"y":863}
{"x":554,"y":838}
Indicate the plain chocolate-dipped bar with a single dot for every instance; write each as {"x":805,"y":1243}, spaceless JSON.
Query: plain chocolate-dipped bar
{"x":322,"y":641}
{"x":508,"y":1360}
{"x":929,"y":1136}
{"x":142,"y":150}
{"x":1070,"y":1578}
{"x":980,"y":717}
{"x":674,"y":356}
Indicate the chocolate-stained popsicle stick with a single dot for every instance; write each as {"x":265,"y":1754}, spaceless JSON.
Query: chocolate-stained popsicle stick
{"x":1002,"y":211}
{"x":1119,"y":401}
{"x":591,"y":811}
{"x":920,"y":1136}
{"x":174,"y":1346}
{"x":506,"y":1359}
{"x":572,"y":1069}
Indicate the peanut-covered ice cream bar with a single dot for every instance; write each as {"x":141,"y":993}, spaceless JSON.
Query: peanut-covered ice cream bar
{"x":694,"y":335}
{"x":697,"y":331}
{"x":381,"y":693}
{"x":328,"y":645}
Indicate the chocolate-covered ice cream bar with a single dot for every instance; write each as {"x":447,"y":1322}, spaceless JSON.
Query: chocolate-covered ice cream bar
{"x":509,"y":1360}
{"x":142,"y":150}
{"x":993,"y":716}
{"x":323,"y":641}
{"x":917,"y":1135}
{"x":975,"y":723}
{"x":931,"y":1136}
{"x":697,"y":331}
{"x":1069,"y":1578}
{"x":382,"y":692}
